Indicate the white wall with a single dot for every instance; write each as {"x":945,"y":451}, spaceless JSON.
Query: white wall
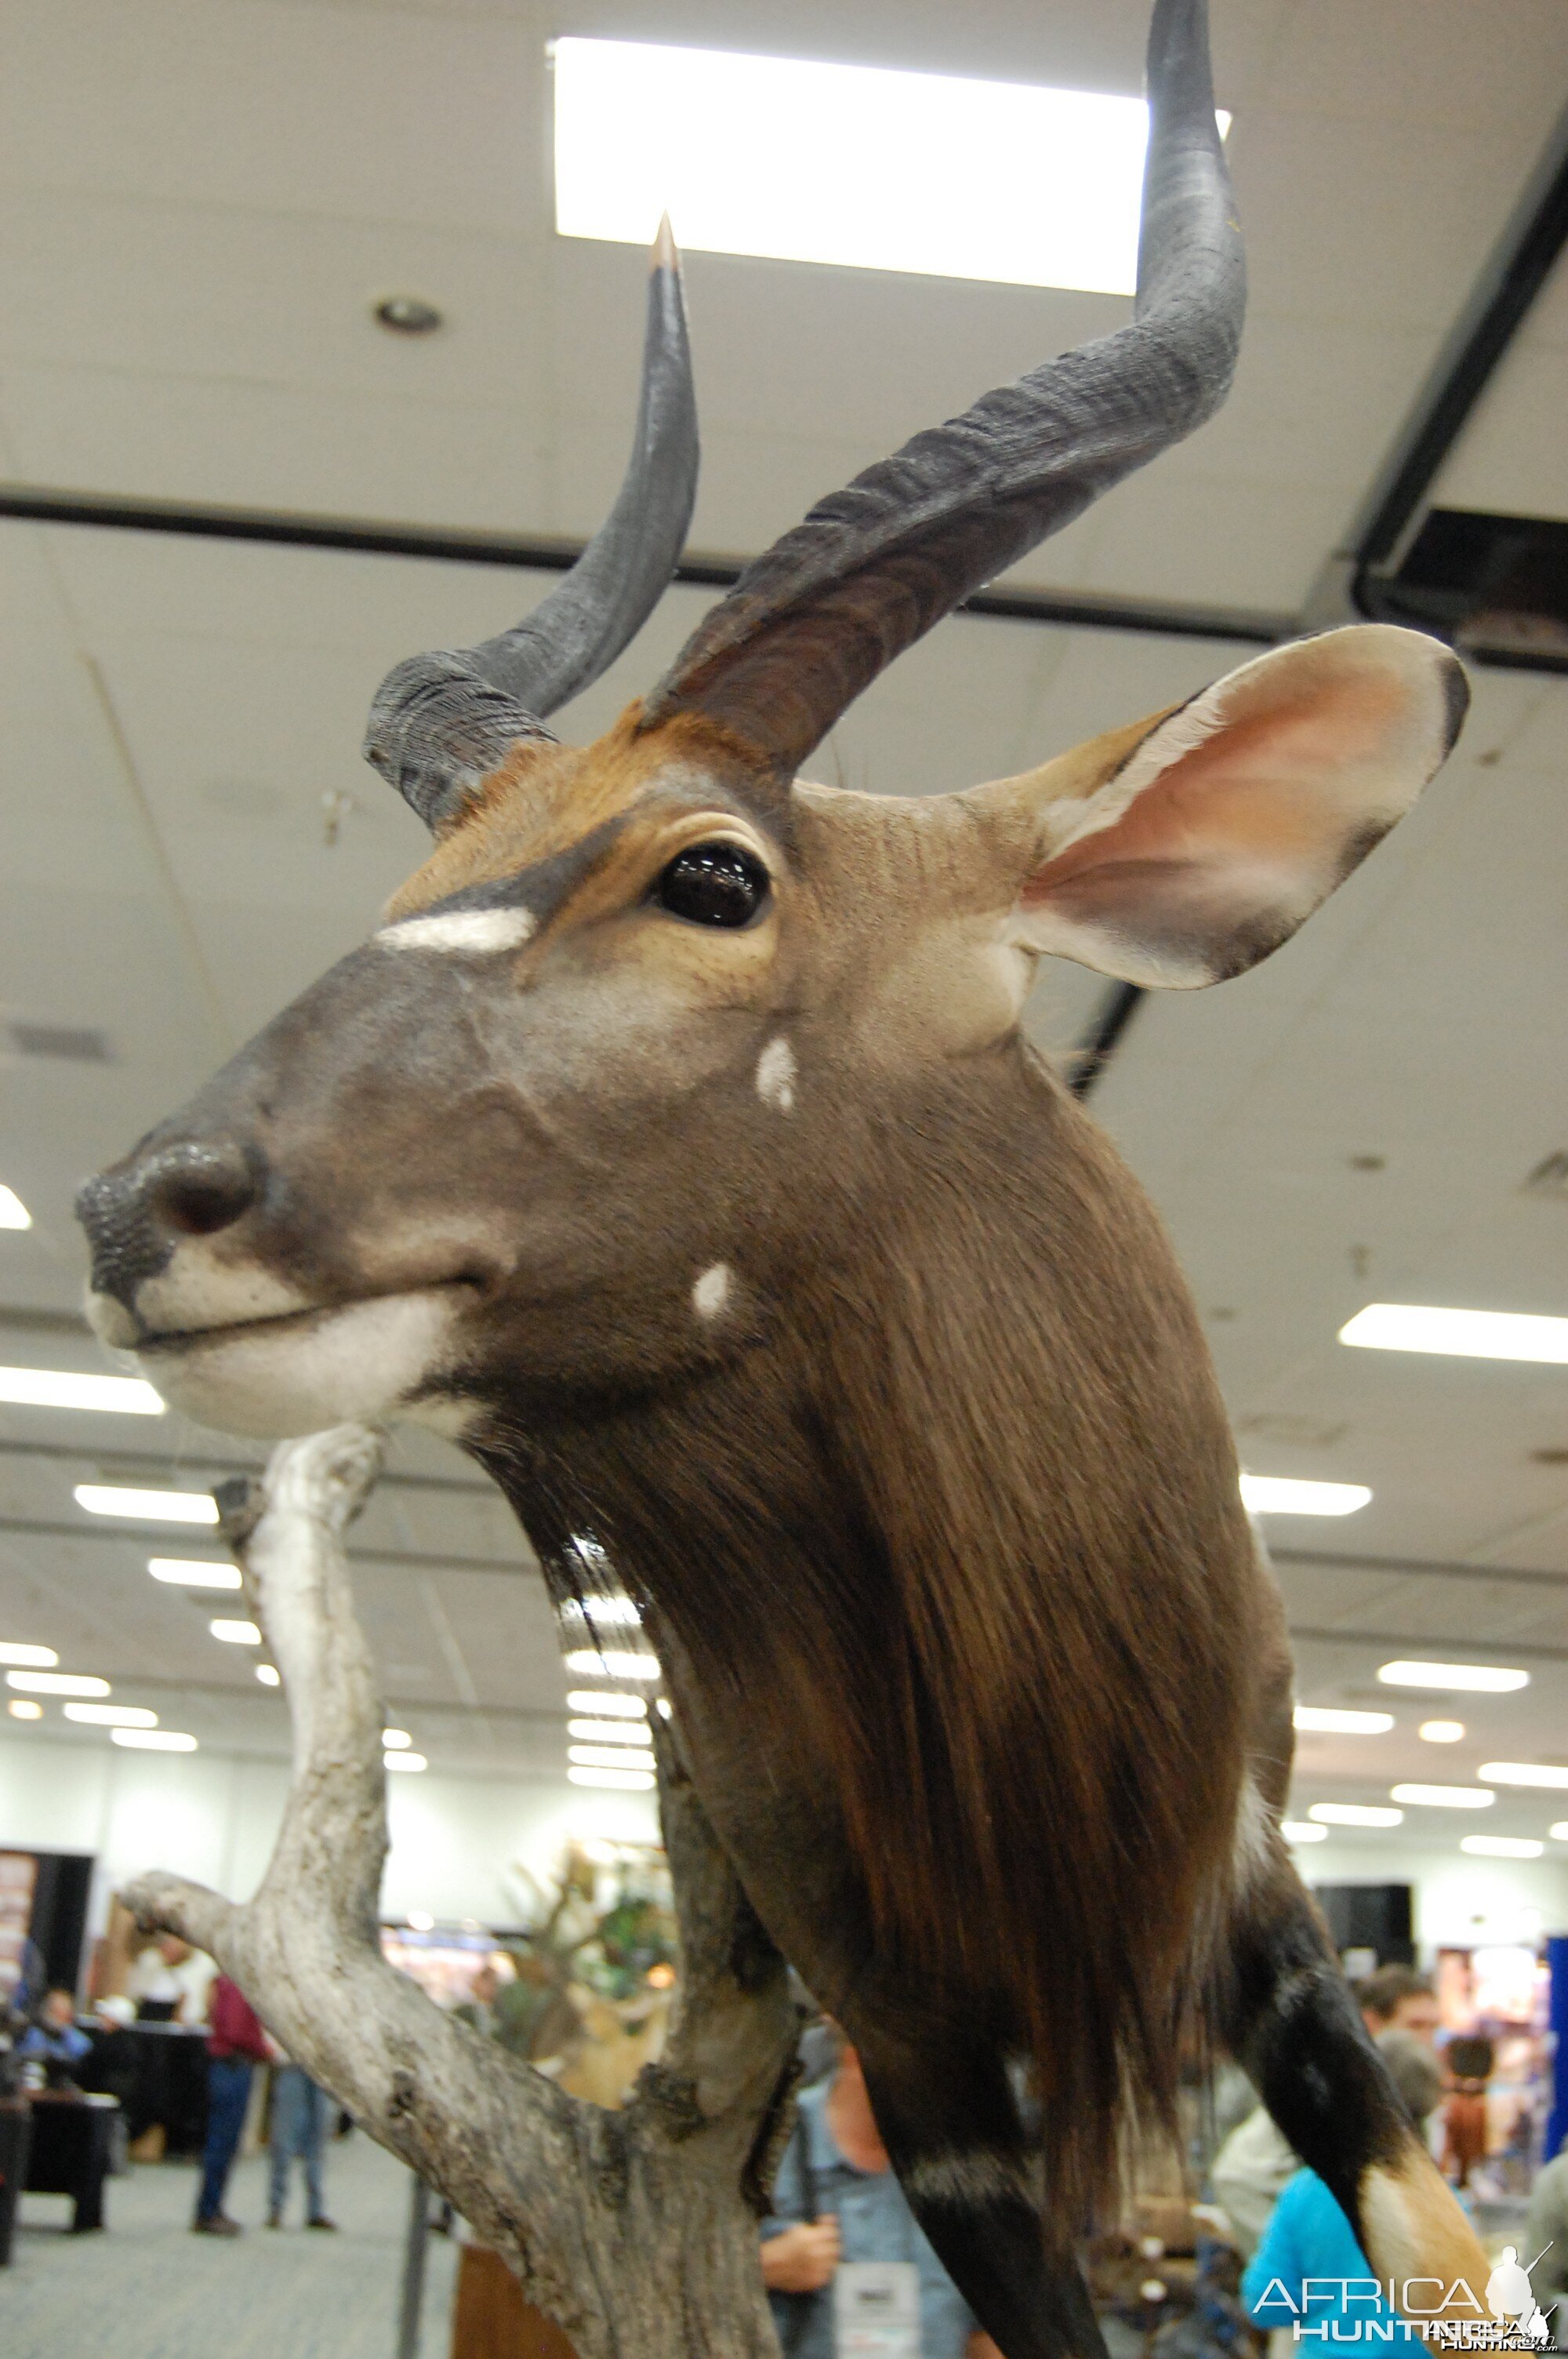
{"x":1459,"y":1902}
{"x":213,"y":1816}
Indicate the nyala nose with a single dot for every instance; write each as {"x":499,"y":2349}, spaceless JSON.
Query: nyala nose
{"x":136,"y":1215}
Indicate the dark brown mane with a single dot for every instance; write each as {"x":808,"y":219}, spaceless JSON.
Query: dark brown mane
{"x":941,"y":1553}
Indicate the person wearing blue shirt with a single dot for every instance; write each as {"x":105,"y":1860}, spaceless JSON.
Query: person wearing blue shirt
{"x":54,"y":2038}
{"x":1309,"y":2267}
{"x":836,"y":2199}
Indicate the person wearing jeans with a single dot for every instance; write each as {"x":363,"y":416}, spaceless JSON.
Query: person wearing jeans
{"x":236,"y":2044}
{"x":298,"y":2127}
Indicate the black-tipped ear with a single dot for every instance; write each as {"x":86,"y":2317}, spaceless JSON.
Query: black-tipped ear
{"x":1236,"y":816}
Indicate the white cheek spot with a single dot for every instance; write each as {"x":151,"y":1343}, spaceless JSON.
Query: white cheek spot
{"x":479,"y":932}
{"x":777,"y":1074}
{"x":711,"y":1292}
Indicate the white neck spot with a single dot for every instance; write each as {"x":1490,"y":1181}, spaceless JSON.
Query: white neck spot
{"x":711,"y":1292}
{"x":776,"y":1075}
{"x":479,"y":932}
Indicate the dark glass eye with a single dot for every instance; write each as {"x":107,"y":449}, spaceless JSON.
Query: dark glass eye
{"x":713,"y":885}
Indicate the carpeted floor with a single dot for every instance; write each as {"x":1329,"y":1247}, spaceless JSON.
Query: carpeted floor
{"x":147,"y":2288}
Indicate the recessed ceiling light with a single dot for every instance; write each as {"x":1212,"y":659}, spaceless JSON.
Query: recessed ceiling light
{"x":1478,"y":1679}
{"x":1276,"y":1494}
{"x":61,"y":1683}
{"x":14,"y":1213}
{"x":111,"y":1715}
{"x":1559,"y":1833}
{"x":396,"y":1740}
{"x":935,"y":174}
{"x":619,"y":1707}
{"x":411,"y":1762}
{"x":1355,"y":1814}
{"x":269,"y":1675}
{"x":1441,"y":1732}
{"x":610,"y":1664}
{"x":1301,"y":1830}
{"x":237,"y":1634}
{"x":1523,"y":1773}
{"x":636,"y":1780}
{"x":1444,"y":1798}
{"x":1325,"y":1720}
{"x":19,"y":1709}
{"x":61,"y":1388}
{"x":602,"y":1756}
{"x":187,"y":1572}
{"x":146,"y":1506}
{"x":28,"y":1659}
{"x":1466,"y":1334}
{"x":152,"y":1739}
{"x":1501,"y":1846}
{"x":608,"y":1732}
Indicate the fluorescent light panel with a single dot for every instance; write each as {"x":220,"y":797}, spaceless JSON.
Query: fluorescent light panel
{"x":146,"y":1506}
{"x":396,"y":1740}
{"x":1463,"y":1334}
{"x":61,"y":1683}
{"x":1559,"y":1833}
{"x":1465,"y":1678}
{"x":1324,"y":1720}
{"x":634,"y":1780}
{"x":61,"y":1388}
{"x":605,"y":1756}
{"x":1501,"y":1846}
{"x":1444,"y":1798}
{"x":1275,"y":1495}
{"x":19,"y":1709}
{"x":269,"y":1675}
{"x":611,"y":1664}
{"x":1441,"y":1732}
{"x":237,"y":1634}
{"x":14,"y":1213}
{"x":187,"y":1572}
{"x":1355,"y":1814}
{"x":152,"y":1739}
{"x":410,"y":1764}
{"x":1523,"y":1773}
{"x":111,"y":1715}
{"x":619,"y":1707}
{"x":611,"y":1613}
{"x":28,"y":1659}
{"x":608,"y":1732}
{"x":1301,"y":1830}
{"x":933,"y":174}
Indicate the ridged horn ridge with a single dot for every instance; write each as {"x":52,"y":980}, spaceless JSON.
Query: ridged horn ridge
{"x":811,"y":623}
{"x":440,"y":723}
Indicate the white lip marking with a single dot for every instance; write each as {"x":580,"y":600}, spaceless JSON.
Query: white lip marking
{"x":361,"y":1362}
{"x":711,"y":1291}
{"x":776,"y":1075}
{"x":480,"y":932}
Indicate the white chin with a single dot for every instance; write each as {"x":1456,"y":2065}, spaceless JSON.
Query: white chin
{"x":361,"y":1362}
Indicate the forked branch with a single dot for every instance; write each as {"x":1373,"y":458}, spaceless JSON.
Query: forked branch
{"x":634,"y":2230}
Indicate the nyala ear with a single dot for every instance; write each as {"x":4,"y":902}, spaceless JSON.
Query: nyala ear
{"x":1193,"y":848}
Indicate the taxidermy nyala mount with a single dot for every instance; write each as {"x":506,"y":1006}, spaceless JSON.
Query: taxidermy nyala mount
{"x":672,"y":1142}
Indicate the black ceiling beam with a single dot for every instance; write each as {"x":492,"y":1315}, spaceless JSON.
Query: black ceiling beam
{"x":1513,"y":275}
{"x":1074,"y":610}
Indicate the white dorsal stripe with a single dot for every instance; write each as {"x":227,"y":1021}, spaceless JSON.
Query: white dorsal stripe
{"x":479,"y":932}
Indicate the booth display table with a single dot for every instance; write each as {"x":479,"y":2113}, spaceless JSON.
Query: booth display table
{"x":15,"y":2138}
{"x":71,"y":2150}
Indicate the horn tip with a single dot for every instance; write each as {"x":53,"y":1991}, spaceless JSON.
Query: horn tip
{"x":665,"y":254}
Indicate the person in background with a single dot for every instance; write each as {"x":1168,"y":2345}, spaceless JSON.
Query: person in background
{"x":1395,"y":1998}
{"x":1249,"y":2173}
{"x":1309,"y":2236}
{"x":156,"y":1983}
{"x":298,"y":2126}
{"x":236,"y":2044}
{"x":478,"y":2010}
{"x":54,"y":2038}
{"x":836,"y":2199}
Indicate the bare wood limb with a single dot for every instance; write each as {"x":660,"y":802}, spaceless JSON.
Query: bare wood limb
{"x":636,"y":2231}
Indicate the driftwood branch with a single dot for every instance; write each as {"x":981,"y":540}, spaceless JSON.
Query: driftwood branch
{"x":636,"y":2231}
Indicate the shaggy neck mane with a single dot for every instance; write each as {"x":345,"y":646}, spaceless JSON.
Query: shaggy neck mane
{"x":955,"y":1557}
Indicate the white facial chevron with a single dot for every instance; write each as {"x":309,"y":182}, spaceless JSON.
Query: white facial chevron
{"x":480,"y":933}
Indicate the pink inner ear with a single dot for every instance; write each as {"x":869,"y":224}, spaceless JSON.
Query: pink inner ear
{"x":1283,"y":789}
